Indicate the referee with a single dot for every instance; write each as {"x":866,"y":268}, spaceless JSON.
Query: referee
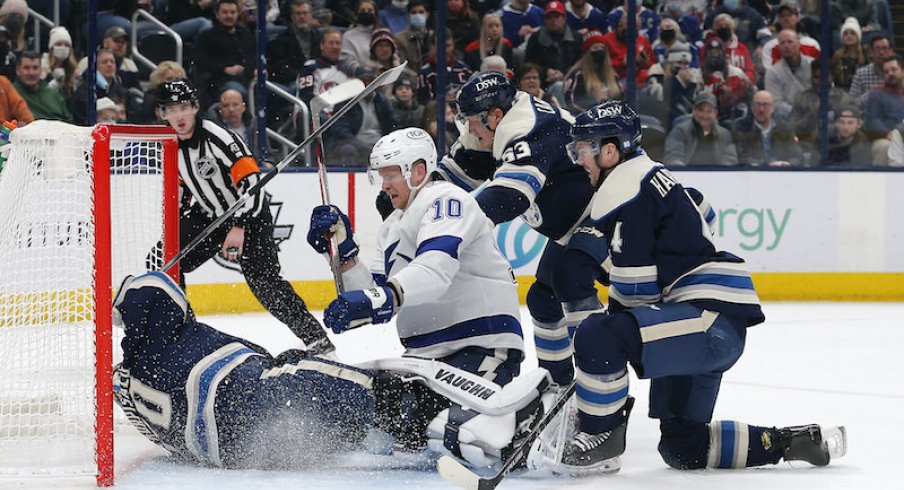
{"x":215,"y":169}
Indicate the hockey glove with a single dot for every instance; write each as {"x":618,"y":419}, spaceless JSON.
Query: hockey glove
{"x":356,"y":308}
{"x":329,"y":220}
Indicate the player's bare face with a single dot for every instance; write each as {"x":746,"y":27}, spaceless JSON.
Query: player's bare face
{"x":182,"y":118}
{"x":393,"y":183}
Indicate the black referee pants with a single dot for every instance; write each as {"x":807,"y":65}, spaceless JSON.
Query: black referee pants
{"x":260,"y":266}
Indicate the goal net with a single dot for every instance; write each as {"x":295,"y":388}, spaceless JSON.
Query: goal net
{"x":80,"y":208}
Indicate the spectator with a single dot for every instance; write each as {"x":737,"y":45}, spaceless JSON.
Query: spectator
{"x":863,"y":10}
{"x":226,"y":55}
{"x":383,"y":56}
{"x":788,"y":17}
{"x":591,"y":80}
{"x":8,"y":58}
{"x":431,"y":126}
{"x":108,"y":84}
{"x":520,"y":19}
{"x":727,"y":82}
{"x":322,"y":72}
{"x":738,"y":54}
{"x":342,"y":12}
{"x":687,"y":21}
{"x":248,"y":15}
{"x":789,"y":76}
{"x":805,"y":110}
{"x":849,"y":146}
{"x":672,"y":85}
{"x":394,"y":16}
{"x":294,"y":46}
{"x":107,"y":111}
{"x":700,"y":140}
{"x":189,"y":18}
{"x":763,"y":140}
{"x":490,"y":43}
{"x":747,"y":20}
{"x":497,"y":64}
{"x":117,"y":40}
{"x":896,"y":147}
{"x":669,"y":35}
{"x":12,"y":105}
{"x":405,"y":105}
{"x":850,"y":57}
{"x":231,"y":112}
{"x":166,"y":71}
{"x":458,"y":72}
{"x":356,"y":40}
{"x":584,"y":17}
{"x":618,"y":51}
{"x":463,"y":22}
{"x":871,"y":76}
{"x":414,"y":41}
{"x":647,"y":19}
{"x":58,"y":65}
{"x":43,"y":101}
{"x":14,"y":17}
{"x":350,"y":140}
{"x":554,"y":47}
{"x":527,"y":79}
{"x":885,"y":109}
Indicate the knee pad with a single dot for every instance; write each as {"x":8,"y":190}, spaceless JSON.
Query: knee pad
{"x":602,"y":342}
{"x":542,"y":303}
{"x":684,"y":444}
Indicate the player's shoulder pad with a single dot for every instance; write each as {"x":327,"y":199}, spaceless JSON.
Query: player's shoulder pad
{"x":622,"y":185}
{"x":523,"y":119}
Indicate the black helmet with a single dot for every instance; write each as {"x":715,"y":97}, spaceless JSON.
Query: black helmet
{"x":176,"y":92}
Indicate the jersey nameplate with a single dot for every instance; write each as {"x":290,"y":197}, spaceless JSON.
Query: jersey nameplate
{"x":663,"y":182}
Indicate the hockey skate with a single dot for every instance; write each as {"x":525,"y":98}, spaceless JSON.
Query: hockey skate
{"x":809,"y":443}
{"x":593,"y":454}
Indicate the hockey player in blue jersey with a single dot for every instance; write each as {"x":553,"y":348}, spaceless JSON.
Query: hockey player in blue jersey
{"x":517,"y":143}
{"x":678,"y":312}
{"x":438,"y":268}
{"x":217,"y":400}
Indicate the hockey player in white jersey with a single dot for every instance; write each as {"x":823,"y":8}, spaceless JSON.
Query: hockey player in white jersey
{"x":438,"y":269}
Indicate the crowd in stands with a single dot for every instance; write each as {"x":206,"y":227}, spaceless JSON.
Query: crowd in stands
{"x":721,"y":82}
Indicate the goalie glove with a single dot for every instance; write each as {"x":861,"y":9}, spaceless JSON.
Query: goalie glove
{"x":355,"y":308}
{"x":327,"y":221}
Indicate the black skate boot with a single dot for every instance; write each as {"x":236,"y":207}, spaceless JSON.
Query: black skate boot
{"x":597,"y":453}
{"x":808,"y":443}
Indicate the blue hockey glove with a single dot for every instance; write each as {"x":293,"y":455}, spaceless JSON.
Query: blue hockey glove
{"x":356,"y":308}
{"x":328,"y":220}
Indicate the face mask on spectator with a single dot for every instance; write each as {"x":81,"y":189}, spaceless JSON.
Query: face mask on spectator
{"x":366,"y":19}
{"x":598,"y":57}
{"x":418,"y":21}
{"x":61,"y":52}
{"x":400,"y":4}
{"x":715,"y":62}
{"x":14,"y":24}
{"x":667,"y":35}
{"x":731,"y":5}
{"x":724,"y":33}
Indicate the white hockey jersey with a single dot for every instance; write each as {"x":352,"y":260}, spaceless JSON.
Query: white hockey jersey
{"x":458,"y":289}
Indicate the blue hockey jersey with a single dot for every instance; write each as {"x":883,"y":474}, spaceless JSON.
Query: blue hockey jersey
{"x":659,"y":246}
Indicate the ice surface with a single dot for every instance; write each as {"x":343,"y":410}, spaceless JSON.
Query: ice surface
{"x":828,"y":363}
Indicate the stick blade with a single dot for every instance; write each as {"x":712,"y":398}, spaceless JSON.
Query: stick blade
{"x":336,"y":95}
{"x":457,"y":474}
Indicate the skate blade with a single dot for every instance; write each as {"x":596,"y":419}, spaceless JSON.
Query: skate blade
{"x":835,"y":439}
{"x":605,"y":467}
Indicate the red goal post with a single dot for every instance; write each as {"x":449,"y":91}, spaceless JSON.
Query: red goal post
{"x":80,"y":208}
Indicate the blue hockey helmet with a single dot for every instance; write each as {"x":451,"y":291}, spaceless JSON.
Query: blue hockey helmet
{"x":611,"y":119}
{"x":485,"y":90}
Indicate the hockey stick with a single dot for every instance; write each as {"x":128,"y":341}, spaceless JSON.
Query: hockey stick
{"x":458,"y":474}
{"x":336,"y":95}
{"x":386,"y":77}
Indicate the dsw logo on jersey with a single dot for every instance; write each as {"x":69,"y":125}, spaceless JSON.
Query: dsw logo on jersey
{"x":281,"y":233}
{"x":519,"y":243}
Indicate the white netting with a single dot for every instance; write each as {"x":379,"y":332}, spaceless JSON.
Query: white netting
{"x":47,"y":271}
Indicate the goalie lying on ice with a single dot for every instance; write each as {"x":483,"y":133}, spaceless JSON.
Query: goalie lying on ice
{"x":216,"y":400}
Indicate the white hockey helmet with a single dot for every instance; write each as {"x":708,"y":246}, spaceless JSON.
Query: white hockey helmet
{"x":402,"y":148}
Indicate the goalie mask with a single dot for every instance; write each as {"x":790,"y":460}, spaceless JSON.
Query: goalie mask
{"x":403,"y":148}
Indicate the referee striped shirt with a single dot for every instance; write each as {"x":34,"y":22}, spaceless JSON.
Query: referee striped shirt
{"x":217,"y":167}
